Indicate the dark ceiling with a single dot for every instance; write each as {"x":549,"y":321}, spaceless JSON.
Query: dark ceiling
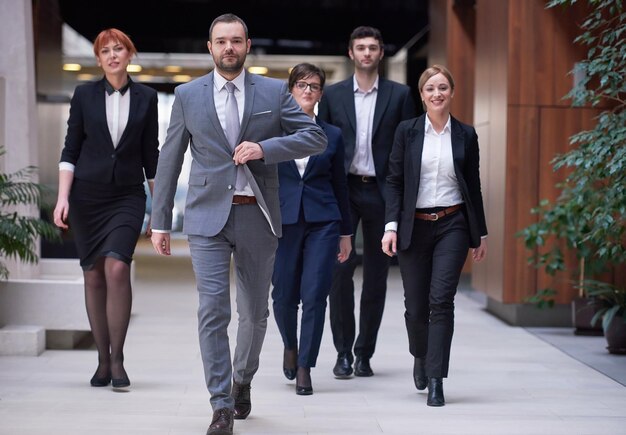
{"x":309,"y":27}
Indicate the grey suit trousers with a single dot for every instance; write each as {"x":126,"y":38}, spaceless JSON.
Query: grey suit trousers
{"x":248,"y":237}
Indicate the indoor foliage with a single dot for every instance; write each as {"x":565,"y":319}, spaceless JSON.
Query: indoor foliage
{"x":19,"y":234}
{"x":590,"y":213}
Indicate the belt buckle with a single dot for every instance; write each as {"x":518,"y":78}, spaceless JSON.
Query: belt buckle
{"x":434,"y":216}
{"x":365,"y":179}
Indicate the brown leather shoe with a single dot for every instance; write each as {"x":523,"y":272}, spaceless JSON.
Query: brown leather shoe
{"x":243,"y":405}
{"x":222,"y":423}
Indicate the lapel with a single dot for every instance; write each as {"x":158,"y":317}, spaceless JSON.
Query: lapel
{"x":382,"y":101}
{"x":250,"y":87}
{"x":348,"y":101}
{"x":99,"y":106}
{"x":208,"y":97}
{"x":458,"y":146}
{"x":417,"y":146}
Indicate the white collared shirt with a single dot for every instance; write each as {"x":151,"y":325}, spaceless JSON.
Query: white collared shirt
{"x":364,"y":104}
{"x":438,"y":186}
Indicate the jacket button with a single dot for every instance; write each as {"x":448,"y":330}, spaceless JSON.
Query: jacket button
{"x":112,"y":156}
{"x":230,"y":187}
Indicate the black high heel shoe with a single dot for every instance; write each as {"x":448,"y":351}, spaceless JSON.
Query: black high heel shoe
{"x":100,"y":381}
{"x":290,"y":358}
{"x":303,"y":382}
{"x":120,"y":383}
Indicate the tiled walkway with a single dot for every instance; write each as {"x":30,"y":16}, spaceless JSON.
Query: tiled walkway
{"x":503,"y":380}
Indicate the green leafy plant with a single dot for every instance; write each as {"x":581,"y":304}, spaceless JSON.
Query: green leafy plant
{"x":589,"y":215}
{"x":610,"y":301}
{"x":18,"y":234}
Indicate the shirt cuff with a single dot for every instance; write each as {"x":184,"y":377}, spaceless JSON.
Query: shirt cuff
{"x":345,"y":235}
{"x":391,"y":226}
{"x":483,"y":237}
{"x":66,"y":166}
{"x":161,"y":231}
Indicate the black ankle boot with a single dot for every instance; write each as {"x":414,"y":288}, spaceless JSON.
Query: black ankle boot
{"x":419,"y":374}
{"x":435,"y":392}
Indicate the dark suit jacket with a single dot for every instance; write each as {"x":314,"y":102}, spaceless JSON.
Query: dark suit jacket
{"x":394,"y":104}
{"x":405,"y":164}
{"x":88,"y":144}
{"x":322,"y":192}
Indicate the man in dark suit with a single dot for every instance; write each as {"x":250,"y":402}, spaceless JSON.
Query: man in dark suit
{"x":367,"y":108}
{"x":232,"y":203}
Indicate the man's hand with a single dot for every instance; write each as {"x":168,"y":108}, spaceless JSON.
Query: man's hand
{"x":246,"y":151}
{"x":389,"y":243}
{"x":161,"y":243}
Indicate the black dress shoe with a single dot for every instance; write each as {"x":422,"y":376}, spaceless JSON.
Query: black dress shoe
{"x":303,"y":382}
{"x":243,"y":404}
{"x":222,"y":423}
{"x":362,"y":367}
{"x":290,"y":361}
{"x":435,"y":392}
{"x":343,"y":366}
{"x":419,"y":374}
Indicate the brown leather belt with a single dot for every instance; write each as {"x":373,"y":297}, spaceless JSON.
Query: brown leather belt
{"x":435,"y":216}
{"x":243,"y":199}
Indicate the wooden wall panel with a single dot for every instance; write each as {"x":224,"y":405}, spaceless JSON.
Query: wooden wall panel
{"x":490,"y":118}
{"x":522,"y":174}
{"x":556,"y":127}
{"x":461,"y":59}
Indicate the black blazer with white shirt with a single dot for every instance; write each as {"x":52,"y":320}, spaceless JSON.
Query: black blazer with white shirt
{"x":405,"y":163}
{"x":88,"y":143}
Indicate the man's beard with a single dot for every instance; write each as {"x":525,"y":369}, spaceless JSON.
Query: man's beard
{"x":231,"y":67}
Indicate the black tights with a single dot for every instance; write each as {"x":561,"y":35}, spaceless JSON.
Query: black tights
{"x":108,"y":298}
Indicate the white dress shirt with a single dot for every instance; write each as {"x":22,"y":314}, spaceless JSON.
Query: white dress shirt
{"x":364,"y":104}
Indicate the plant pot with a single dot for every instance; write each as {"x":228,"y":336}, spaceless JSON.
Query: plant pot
{"x":616,"y":335}
{"x":583,"y":310}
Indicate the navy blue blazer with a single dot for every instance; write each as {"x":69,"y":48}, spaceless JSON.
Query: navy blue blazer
{"x":405,"y":165}
{"x":394,"y":103}
{"x":88,"y":143}
{"x":322,"y":191}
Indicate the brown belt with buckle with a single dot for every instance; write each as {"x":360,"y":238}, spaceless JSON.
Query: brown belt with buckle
{"x":243,"y":199}
{"x":435,"y":216}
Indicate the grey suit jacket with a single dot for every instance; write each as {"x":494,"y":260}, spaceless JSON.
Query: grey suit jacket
{"x":271,"y":118}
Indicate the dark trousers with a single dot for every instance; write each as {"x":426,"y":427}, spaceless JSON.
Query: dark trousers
{"x":302,"y":272}
{"x":367,"y":207}
{"x":430,"y":269}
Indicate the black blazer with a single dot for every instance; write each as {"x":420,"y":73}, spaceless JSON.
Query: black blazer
{"x":88,"y":144}
{"x":405,"y":164}
{"x":394,"y":103}
{"x":322,"y":192}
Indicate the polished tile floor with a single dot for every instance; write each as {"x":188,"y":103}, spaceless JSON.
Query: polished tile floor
{"x":503,"y":380}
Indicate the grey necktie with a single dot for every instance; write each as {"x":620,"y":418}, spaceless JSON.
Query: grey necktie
{"x":232,"y":131}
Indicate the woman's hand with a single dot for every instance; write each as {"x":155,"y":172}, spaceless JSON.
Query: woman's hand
{"x":389,"y":243}
{"x":345,"y":248}
{"x":60,"y":214}
{"x":481,"y":252}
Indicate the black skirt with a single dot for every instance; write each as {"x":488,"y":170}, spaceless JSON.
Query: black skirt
{"x":105,"y":220}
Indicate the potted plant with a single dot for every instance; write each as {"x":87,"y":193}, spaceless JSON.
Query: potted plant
{"x":18,"y":233}
{"x":588,"y":217}
{"x":610,"y":304}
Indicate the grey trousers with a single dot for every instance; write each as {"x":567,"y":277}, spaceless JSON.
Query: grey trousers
{"x":248,"y":238}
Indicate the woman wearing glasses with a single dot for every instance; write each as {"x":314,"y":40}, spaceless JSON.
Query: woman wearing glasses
{"x":316,"y":232}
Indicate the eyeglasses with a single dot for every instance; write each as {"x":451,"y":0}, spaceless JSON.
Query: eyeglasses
{"x":314,"y":87}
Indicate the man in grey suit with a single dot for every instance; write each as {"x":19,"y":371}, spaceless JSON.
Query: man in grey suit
{"x":232,"y":203}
